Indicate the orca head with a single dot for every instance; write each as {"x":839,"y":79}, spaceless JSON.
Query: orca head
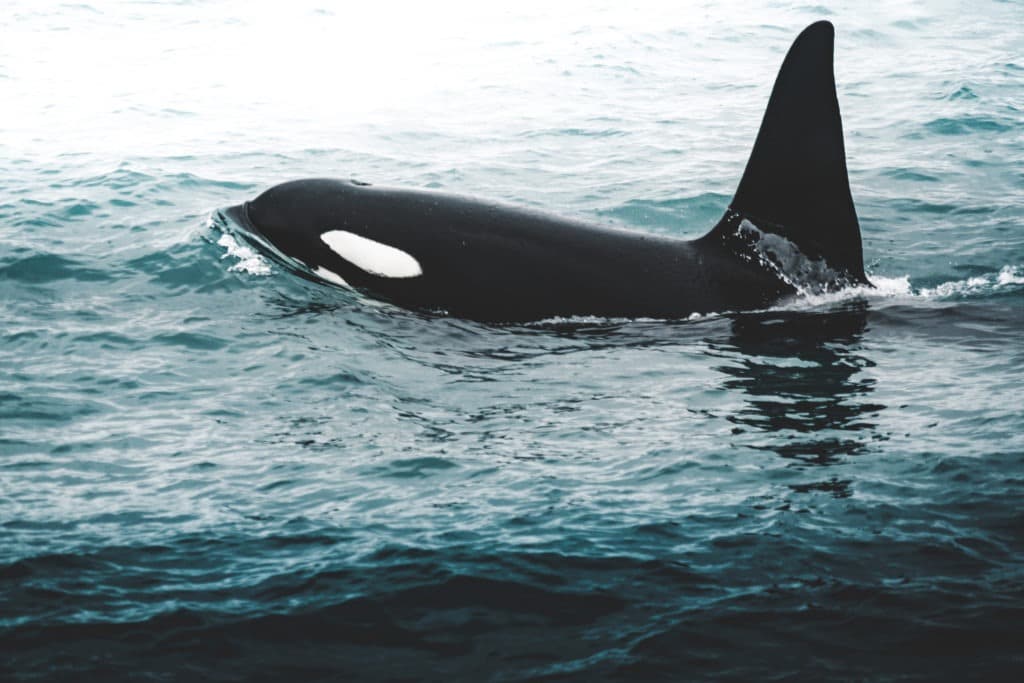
{"x":318,"y":223}
{"x":292,"y":216}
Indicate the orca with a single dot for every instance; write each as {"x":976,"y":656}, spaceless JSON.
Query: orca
{"x":491,"y":262}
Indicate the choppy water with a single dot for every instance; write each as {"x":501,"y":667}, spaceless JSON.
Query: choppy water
{"x":213,"y":470}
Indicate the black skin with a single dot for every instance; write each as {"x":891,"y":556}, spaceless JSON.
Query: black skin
{"x":491,"y":262}
{"x":495,"y":263}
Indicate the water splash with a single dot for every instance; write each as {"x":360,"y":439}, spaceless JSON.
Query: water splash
{"x":818,"y":285}
{"x":808,"y":276}
{"x":982,"y":284}
{"x":247,"y":260}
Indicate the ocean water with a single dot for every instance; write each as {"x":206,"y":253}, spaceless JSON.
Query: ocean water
{"x":211,"y":469}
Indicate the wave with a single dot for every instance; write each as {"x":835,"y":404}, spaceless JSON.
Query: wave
{"x":44,"y":268}
{"x":422,"y":614}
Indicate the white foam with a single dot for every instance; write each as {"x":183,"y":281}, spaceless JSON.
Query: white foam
{"x":1010,"y":275}
{"x":608,"y":320}
{"x":331,"y":276}
{"x":900,"y":289}
{"x":372,"y":256}
{"x":896,"y":290}
{"x":1006,"y":277}
{"x":818,"y":285}
{"x":248,"y":260}
{"x":884,"y":288}
{"x":956,"y":287}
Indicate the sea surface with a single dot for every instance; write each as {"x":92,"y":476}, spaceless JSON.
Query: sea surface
{"x":212,"y":469}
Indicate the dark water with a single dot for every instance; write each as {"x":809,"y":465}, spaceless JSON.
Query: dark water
{"x":211,"y":469}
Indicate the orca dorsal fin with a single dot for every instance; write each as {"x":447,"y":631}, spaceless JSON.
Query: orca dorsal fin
{"x":796,"y":183}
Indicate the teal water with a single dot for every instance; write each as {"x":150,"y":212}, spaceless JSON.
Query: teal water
{"x":211,"y":469}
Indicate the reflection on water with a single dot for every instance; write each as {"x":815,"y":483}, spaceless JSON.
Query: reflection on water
{"x":802,"y":376}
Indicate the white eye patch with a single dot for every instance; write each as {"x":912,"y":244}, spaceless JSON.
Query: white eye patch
{"x":373,"y":257}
